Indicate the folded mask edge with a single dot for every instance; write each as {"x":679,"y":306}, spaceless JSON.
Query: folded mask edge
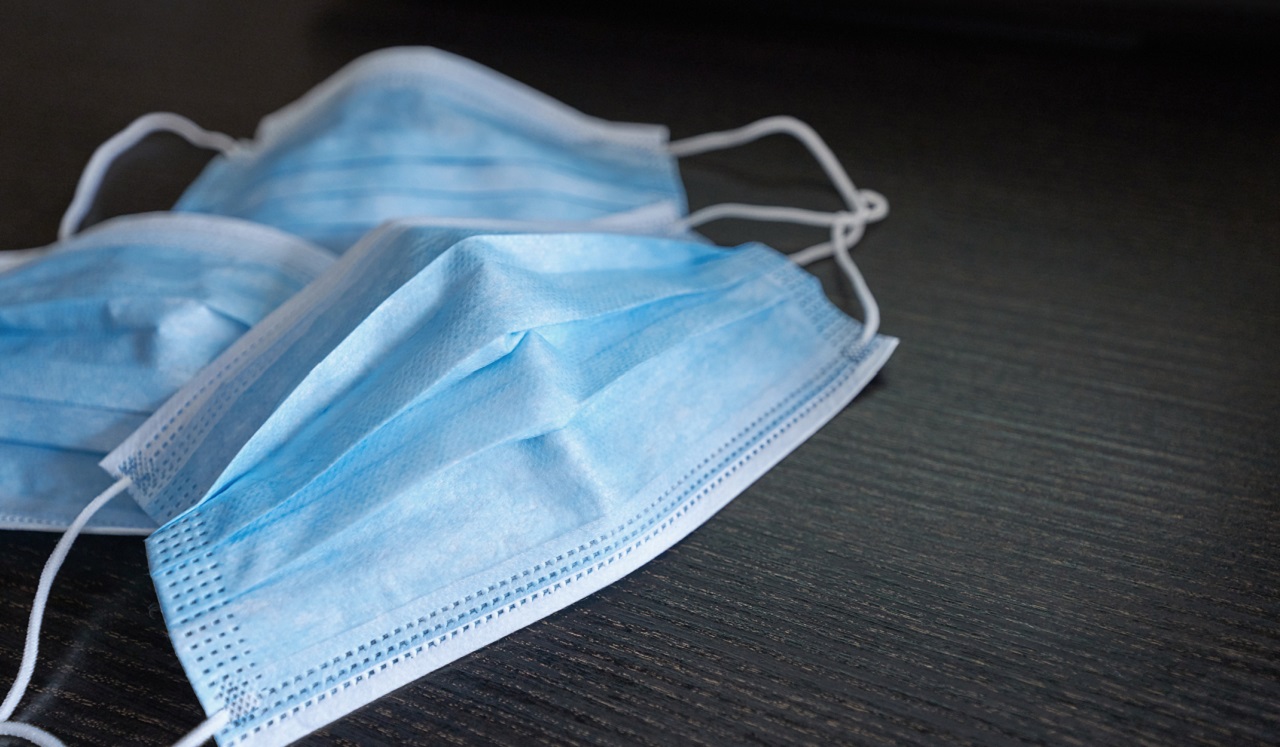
{"x":659,"y":218}
{"x":211,"y":233}
{"x":130,"y":457}
{"x":59,"y":524}
{"x":195,"y":232}
{"x":14,"y":258}
{"x":518,"y":98}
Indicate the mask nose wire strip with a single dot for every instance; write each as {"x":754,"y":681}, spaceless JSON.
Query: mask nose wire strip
{"x":102,"y":158}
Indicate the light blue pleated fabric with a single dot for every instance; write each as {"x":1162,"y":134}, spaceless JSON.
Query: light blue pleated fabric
{"x":100,"y":330}
{"x":415,"y":132}
{"x":451,"y":435}
{"x":527,"y":384}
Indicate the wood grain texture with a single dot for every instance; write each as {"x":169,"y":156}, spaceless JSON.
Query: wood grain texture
{"x":1054,"y":518}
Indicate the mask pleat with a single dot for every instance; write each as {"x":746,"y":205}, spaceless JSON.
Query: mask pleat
{"x":534,"y":383}
{"x":580,"y":436}
{"x":103,"y":328}
{"x":411,"y":139}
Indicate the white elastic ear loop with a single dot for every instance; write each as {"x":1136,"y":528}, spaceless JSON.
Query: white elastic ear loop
{"x":779,"y":125}
{"x":205,"y":731}
{"x":51,"y":567}
{"x":846,"y":230}
{"x":873,"y":206}
{"x":34,"y":734}
{"x":843,"y":236}
{"x":147,"y":124}
{"x":865,"y":206}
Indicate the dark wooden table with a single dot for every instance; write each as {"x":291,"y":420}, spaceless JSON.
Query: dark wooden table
{"x":1054,"y":518}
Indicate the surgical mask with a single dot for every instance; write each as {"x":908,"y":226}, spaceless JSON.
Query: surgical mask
{"x":98,"y":331}
{"x":417,"y":132}
{"x":448,"y":437}
{"x":539,"y":405}
{"x":294,"y":321}
{"x":452,"y":436}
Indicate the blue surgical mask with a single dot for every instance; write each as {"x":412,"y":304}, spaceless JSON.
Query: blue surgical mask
{"x":416,"y":132}
{"x":467,"y":427}
{"x":98,"y":331}
{"x":412,"y":133}
{"x":450,"y":436}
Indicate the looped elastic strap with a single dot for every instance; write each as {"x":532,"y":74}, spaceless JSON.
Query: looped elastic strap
{"x":32,"y":734}
{"x":51,"y":567}
{"x":31,"y":650}
{"x":108,"y":152}
{"x":847,"y":226}
{"x":205,"y":731}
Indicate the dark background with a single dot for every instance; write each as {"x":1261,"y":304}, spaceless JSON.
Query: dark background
{"x":1052,"y":519}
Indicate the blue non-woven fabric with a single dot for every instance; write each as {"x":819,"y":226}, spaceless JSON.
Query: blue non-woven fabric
{"x":101,"y":329}
{"x":411,"y":132}
{"x":455,"y":448}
